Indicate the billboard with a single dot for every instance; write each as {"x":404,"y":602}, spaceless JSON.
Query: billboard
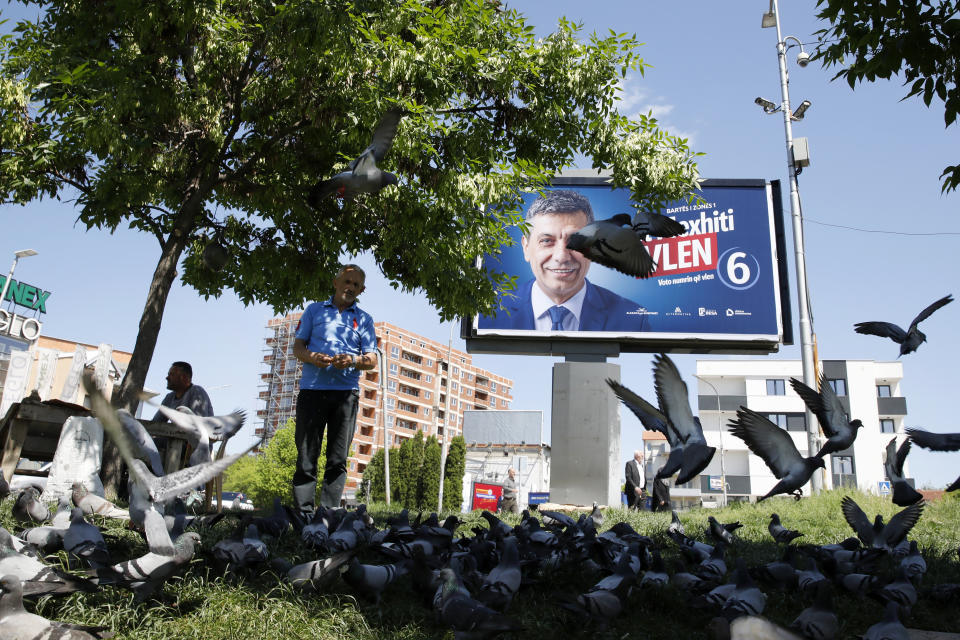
{"x":720,"y":286}
{"x":486,"y":496}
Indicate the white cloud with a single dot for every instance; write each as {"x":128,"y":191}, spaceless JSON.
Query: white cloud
{"x":636,"y":101}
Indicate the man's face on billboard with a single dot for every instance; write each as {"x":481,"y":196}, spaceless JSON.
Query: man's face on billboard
{"x":559,"y":271}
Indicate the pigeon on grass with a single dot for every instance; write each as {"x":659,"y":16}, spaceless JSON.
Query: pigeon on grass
{"x":90,"y":503}
{"x":362,"y":174}
{"x":903,"y":494}
{"x":28,"y":507}
{"x":314,"y":576}
{"x":38,"y":578}
{"x":370,"y":580}
{"x":85,"y":541}
{"x":467,"y":617}
{"x":889,"y":627}
{"x":776,"y":448}
{"x":819,"y":621}
{"x":146,"y":574}
{"x":18,"y":624}
{"x":779,"y":532}
{"x":721,"y":531}
{"x":908,"y":340}
{"x":836,"y":424}
{"x":880,"y":535}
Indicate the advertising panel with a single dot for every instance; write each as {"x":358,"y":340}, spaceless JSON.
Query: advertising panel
{"x":486,"y":496}
{"x":716,"y":286}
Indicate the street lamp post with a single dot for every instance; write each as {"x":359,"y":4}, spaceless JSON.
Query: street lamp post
{"x":772,"y":18}
{"x":384,"y":423}
{"x":723,"y":467}
{"x":23,"y":253}
{"x":446,"y":420}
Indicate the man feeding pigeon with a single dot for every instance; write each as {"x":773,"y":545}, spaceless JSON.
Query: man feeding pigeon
{"x":183,"y":393}
{"x":335,"y":340}
{"x":559,"y":297}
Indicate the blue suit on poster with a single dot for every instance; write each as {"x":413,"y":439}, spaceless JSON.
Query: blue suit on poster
{"x":603,"y":310}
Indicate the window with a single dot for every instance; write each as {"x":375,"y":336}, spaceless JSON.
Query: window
{"x":394,"y":369}
{"x":796,"y":422}
{"x":453,"y":402}
{"x":503,"y":403}
{"x":426,"y":411}
{"x":505,"y":390}
{"x":493,"y":386}
{"x":776,"y":388}
{"x":456,"y":371}
{"x":395,"y":351}
{"x":391,"y":403}
{"x":839,"y":386}
{"x":413,"y":341}
{"x":493,"y":402}
{"x":429,"y":363}
{"x":883,"y":391}
{"x":423,"y":346}
{"x":407,"y":406}
{"x":779,"y":419}
{"x":427,"y":395}
{"x":886,"y":426}
{"x":428,"y":378}
{"x":469,"y":391}
{"x":454,"y":386}
{"x":390,"y":419}
{"x":391,"y":385}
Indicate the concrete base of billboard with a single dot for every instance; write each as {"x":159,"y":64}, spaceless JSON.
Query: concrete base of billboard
{"x":585,"y":434}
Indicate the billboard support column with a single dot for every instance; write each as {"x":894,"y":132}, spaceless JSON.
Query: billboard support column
{"x":585,"y":432}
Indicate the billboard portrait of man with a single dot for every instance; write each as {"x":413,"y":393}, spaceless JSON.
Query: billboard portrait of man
{"x":559,"y":297}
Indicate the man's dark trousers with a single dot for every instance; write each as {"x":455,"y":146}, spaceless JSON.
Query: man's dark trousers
{"x":319,"y":409}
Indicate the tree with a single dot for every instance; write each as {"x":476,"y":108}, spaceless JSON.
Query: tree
{"x":410,"y":471}
{"x":919,"y":39}
{"x":373,"y":480}
{"x":241,"y":475}
{"x":454,"y":469}
{"x":206,"y":123}
{"x":429,"y":491}
{"x":276,"y":465}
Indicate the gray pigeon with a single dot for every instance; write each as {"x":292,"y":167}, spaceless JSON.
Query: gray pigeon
{"x":46,"y":539}
{"x":363,"y":175}
{"x":746,"y":599}
{"x":200,"y":431}
{"x":4,"y":487}
{"x":28,"y":508}
{"x":613,"y":243}
{"x":315,"y":576}
{"x":146,"y":574}
{"x":908,"y":340}
{"x":369,"y":579}
{"x":85,"y":541}
{"x":90,"y":503}
{"x":779,"y":532}
{"x":913,"y":564}
{"x":243,"y":549}
{"x":903,"y":494}
{"x":17,"y":624}
{"x":880,"y":535}
{"x":467,"y":617}
{"x":674,"y":400}
{"x":889,"y":627}
{"x":819,"y":621}
{"x":502,"y":583}
{"x":751,"y":627}
{"x":61,"y":519}
{"x":37,"y":578}
{"x":722,"y":532}
{"x":839,"y":429}
{"x":652,"y":419}
{"x":937,"y":442}
{"x":776,"y":448}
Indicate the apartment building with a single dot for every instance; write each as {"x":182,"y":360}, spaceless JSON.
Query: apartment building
{"x":418,"y":373}
{"x":869,"y":390}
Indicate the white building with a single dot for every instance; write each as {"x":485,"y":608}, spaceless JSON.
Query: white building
{"x":869,"y":390}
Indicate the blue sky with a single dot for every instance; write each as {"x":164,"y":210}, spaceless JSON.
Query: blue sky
{"x":875,"y":166}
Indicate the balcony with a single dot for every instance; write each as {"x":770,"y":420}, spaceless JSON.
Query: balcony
{"x":892,"y":406}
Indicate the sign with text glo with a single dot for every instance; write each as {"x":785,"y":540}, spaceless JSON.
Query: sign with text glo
{"x":721,"y":286}
{"x":486,"y":496}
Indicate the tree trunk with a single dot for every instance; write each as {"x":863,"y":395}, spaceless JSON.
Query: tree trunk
{"x":150,"y":321}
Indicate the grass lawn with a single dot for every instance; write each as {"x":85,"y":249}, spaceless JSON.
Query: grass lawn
{"x":206,"y":605}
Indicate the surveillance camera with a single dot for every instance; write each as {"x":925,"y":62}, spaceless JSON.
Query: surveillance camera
{"x":803,"y":58}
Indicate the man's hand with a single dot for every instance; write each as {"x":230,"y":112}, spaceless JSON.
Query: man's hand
{"x":321,"y":359}
{"x":342,"y":361}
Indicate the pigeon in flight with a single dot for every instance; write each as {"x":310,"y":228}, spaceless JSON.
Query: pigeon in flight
{"x":613,"y":243}
{"x":648,"y":223}
{"x":903,"y":494}
{"x":652,"y":419}
{"x":200,"y":431}
{"x":674,"y":400}
{"x":776,"y":448}
{"x":937,"y":442}
{"x":878,"y":534}
{"x":841,"y":432}
{"x":908,"y":340}
{"x":363,"y":175}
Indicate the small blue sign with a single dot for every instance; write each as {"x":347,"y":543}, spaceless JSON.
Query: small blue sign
{"x":884,"y":486}
{"x":538,"y":497}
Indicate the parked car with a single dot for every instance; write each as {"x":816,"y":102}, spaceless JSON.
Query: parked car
{"x":234,"y":500}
